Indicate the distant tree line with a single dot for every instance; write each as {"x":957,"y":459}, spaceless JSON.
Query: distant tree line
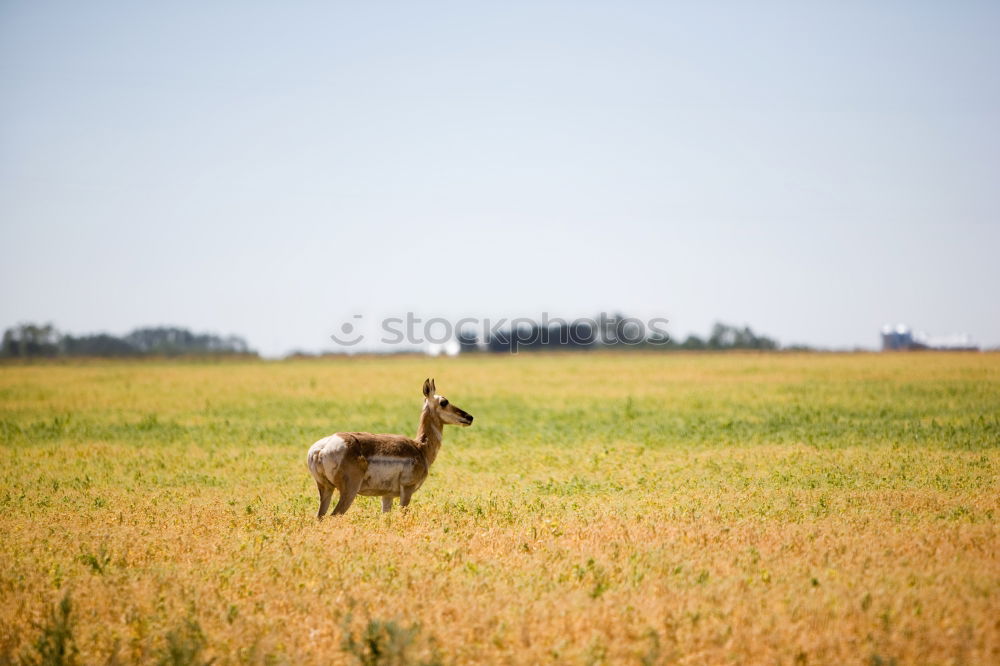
{"x":43,"y":340}
{"x":725,"y":336}
{"x":614,"y":332}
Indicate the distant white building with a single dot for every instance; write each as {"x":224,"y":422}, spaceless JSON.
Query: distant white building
{"x":902,"y":337}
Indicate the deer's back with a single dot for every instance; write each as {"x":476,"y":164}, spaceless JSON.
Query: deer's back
{"x":369,"y":444}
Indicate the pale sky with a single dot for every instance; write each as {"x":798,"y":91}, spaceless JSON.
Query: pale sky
{"x":270,"y":169}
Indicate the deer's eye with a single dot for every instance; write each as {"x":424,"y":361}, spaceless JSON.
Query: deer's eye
{"x":444,"y":402}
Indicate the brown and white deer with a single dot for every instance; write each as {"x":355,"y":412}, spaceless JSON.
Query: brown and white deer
{"x":385,"y":466}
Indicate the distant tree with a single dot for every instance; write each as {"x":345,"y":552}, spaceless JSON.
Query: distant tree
{"x":721,"y":337}
{"x":660,"y":340}
{"x":467,"y":341}
{"x":693,"y":342}
{"x":171,"y":341}
{"x":619,"y":331}
{"x":582,"y":334}
{"x":101,"y":344}
{"x":725,"y":336}
{"x":501,"y":341}
{"x":34,"y":340}
{"x":609,"y":328}
{"x":30,"y":340}
{"x":579,"y":334}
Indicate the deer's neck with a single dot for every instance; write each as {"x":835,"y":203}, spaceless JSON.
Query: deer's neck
{"x":429,"y":435}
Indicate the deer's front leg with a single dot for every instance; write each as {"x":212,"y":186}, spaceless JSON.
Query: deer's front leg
{"x":386,"y":503}
{"x":405,"y":493}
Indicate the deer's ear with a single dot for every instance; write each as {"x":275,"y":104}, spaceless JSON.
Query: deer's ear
{"x":428,"y":388}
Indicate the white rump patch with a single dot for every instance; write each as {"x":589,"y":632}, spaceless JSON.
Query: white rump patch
{"x":325,"y":457}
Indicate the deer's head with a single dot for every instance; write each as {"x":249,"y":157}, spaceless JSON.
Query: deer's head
{"x":439,"y":405}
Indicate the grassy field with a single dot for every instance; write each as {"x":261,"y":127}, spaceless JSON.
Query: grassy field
{"x":790,"y":509}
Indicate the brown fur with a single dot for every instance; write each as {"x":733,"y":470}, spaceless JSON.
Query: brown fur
{"x":403,"y":463}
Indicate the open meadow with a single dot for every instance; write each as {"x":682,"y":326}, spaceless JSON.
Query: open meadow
{"x":603,"y":508}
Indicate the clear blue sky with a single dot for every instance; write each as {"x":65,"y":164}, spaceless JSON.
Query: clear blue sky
{"x":814,"y":170}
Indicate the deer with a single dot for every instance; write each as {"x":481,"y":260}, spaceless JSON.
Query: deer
{"x":380,"y":465}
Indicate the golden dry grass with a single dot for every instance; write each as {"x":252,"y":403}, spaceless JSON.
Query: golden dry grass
{"x":603,"y":509}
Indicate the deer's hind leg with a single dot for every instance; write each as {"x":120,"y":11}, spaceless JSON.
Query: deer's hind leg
{"x":386,"y":503}
{"x":350,"y":484}
{"x":348,"y":491}
{"x":325,"y":494}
